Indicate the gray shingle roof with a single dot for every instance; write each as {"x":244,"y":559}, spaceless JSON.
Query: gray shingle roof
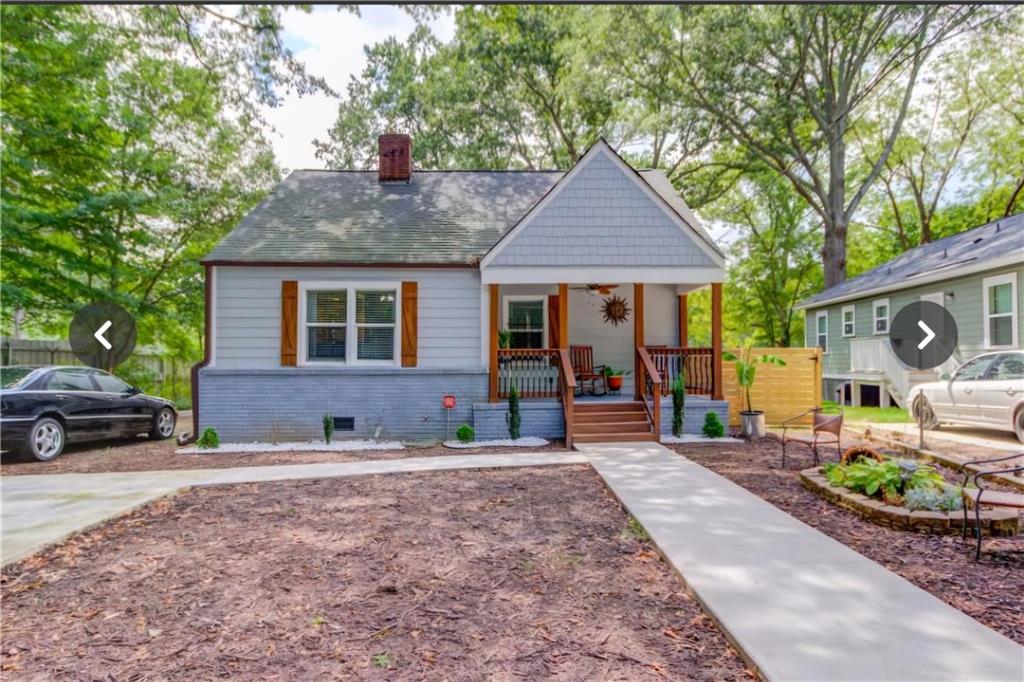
{"x":994,"y":241}
{"x":441,"y":217}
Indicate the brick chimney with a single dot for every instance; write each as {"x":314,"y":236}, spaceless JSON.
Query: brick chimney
{"x":395,"y":158}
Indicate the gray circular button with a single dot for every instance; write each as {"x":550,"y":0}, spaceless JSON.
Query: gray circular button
{"x":102,"y":335}
{"x":923,"y":334}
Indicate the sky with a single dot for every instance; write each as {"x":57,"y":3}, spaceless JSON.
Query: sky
{"x":331,"y":43}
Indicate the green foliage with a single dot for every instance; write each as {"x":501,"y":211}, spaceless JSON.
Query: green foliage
{"x":890,"y":479}
{"x":713,"y":427}
{"x":948,"y":498}
{"x":381,"y":660}
{"x":610,"y":371}
{"x":504,"y":338}
{"x":746,"y":367}
{"x":635,"y":530}
{"x":678,"y":405}
{"x":886,"y":415}
{"x":208,"y":439}
{"x":513,"y":418}
{"x":328,"y":428}
{"x":465,"y":434}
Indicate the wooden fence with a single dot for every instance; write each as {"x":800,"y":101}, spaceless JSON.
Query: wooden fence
{"x":782,"y":392}
{"x":165,"y":376}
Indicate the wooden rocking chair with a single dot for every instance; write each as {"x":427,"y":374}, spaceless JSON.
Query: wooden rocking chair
{"x":582,"y":358}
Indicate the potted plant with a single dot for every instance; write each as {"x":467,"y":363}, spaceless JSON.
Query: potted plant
{"x":613,"y":378}
{"x":746,"y":369}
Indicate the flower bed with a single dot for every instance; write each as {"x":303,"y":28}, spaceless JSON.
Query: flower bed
{"x":999,"y":522}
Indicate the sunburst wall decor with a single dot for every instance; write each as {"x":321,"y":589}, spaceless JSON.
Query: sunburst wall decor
{"x":615,"y":310}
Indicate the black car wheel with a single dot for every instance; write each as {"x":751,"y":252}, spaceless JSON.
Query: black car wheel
{"x":163,"y":424}
{"x":922,"y":408}
{"x":46,"y":439}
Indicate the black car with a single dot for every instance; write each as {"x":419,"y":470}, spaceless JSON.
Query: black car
{"x":42,"y":408}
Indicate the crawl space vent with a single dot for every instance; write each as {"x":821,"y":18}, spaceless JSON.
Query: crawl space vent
{"x":344,"y":423}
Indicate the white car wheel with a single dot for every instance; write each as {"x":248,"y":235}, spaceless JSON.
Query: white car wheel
{"x":163,"y":424}
{"x":46,"y":440}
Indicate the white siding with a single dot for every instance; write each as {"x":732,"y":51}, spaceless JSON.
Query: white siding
{"x":247,"y":312}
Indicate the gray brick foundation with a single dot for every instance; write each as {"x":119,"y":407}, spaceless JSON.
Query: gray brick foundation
{"x":542,"y":418}
{"x":693,"y":418}
{"x":288,"y":404}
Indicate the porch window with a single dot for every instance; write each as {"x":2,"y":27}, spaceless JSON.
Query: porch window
{"x":1000,"y":294}
{"x":821,"y":322}
{"x":350,"y":324}
{"x":849,"y":317}
{"x":525,"y":320}
{"x":880,"y":315}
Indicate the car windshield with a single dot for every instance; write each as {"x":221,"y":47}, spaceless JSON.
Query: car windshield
{"x":13,"y":377}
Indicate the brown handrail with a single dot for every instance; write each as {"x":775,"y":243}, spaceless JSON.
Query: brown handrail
{"x":695,"y":364}
{"x":567,"y":384}
{"x":649,"y":375}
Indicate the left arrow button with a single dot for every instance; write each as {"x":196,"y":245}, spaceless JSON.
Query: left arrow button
{"x":100,"y":332}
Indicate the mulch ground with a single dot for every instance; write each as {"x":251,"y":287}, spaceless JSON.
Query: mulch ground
{"x":500,"y":574}
{"x":145,"y":455}
{"x":989,"y":591}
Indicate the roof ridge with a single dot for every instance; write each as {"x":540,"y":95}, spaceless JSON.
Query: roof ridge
{"x":435,"y":170}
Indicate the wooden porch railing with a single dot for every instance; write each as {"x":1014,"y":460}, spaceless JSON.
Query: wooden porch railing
{"x":567,"y":390}
{"x":533,"y":371}
{"x":650,"y":383}
{"x":697,"y":365}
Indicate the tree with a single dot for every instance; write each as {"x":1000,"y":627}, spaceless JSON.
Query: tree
{"x":789,"y":84}
{"x":132,"y":143}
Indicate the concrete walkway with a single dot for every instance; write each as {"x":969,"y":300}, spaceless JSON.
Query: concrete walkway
{"x":801,"y":605}
{"x":39,"y":511}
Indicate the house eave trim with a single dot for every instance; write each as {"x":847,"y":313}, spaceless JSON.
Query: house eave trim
{"x":582,"y":274}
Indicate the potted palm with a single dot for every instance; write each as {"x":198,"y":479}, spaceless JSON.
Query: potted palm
{"x":613,"y":378}
{"x":746,"y":369}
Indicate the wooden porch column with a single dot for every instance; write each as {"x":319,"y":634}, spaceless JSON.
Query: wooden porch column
{"x":638,"y":333}
{"x":716,"y":341}
{"x":683,"y":322}
{"x":563,"y":315}
{"x":492,"y":364}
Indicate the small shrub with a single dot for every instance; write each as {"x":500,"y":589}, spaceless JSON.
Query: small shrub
{"x":931,"y":499}
{"x":209,"y":439}
{"x":713,"y":427}
{"x":891,"y":479}
{"x":328,"y":428}
{"x":678,"y":405}
{"x":513,"y":418}
{"x":465,"y":434}
{"x":381,"y":660}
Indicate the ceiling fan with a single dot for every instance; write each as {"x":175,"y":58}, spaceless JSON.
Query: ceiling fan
{"x":602,"y":289}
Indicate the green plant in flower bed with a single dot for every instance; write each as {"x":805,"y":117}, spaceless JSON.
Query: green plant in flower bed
{"x":931,"y":499}
{"x":891,"y":479}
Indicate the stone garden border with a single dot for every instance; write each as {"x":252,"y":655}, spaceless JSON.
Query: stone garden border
{"x":998,"y":522}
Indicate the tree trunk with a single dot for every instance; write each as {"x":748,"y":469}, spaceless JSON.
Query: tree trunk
{"x":833,"y":253}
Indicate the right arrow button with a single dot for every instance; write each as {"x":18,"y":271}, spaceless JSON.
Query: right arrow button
{"x":923,"y":334}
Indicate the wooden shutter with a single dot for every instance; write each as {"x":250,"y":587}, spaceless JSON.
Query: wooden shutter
{"x":553,"y":322}
{"x":289,"y":322}
{"x":410,"y":318}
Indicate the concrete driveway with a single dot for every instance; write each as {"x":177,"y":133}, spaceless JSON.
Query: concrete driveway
{"x":967,"y":435}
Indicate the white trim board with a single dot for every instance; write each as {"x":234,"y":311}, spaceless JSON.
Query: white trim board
{"x":602,"y":148}
{"x":583,"y":274}
{"x":995,"y":280}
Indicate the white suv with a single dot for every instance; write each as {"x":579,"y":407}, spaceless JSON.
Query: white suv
{"x":987,"y":391}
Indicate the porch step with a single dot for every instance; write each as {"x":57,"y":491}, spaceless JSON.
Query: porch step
{"x":605,"y":417}
{"x":611,"y":427}
{"x":615,"y":437}
{"x":587,"y":407}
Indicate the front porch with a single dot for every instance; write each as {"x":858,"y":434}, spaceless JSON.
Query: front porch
{"x":536,"y":333}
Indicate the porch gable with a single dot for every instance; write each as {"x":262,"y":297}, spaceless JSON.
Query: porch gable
{"x":604,"y":213}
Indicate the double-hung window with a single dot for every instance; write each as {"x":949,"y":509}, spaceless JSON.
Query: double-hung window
{"x":849,"y":320}
{"x":880,"y":316}
{"x":1000,"y":301}
{"x":525,"y":321}
{"x":346,"y":323}
{"x":821,"y":328}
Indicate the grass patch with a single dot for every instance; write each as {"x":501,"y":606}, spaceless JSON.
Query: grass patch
{"x":881,"y":415}
{"x":635,"y":531}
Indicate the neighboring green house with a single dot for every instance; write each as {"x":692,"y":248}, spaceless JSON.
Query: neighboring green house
{"x":976,"y":275}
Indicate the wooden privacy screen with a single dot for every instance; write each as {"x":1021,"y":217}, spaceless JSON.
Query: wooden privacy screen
{"x":289,"y":322}
{"x":410,"y":318}
{"x":782,"y":392}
